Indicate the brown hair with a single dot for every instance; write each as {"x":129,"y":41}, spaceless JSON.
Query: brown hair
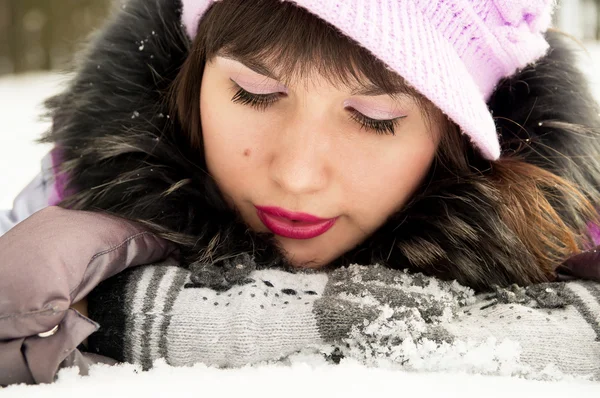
{"x":525,"y":196}
{"x":289,"y":40}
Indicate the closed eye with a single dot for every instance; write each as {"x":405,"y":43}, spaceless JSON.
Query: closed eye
{"x":377,"y":126}
{"x":258,"y":101}
{"x":262,"y":102}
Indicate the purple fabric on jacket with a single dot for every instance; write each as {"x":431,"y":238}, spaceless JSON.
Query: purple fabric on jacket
{"x":60,"y":178}
{"x":594,"y":233}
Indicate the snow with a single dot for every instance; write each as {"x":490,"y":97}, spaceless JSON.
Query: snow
{"x":590,"y":62}
{"x":20,"y":110}
{"x":303,"y":378}
{"x":21,"y":124}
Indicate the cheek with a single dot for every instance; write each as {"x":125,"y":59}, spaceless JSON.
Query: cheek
{"x":221,"y":129}
{"x":230,"y":142}
{"x":383,"y":181}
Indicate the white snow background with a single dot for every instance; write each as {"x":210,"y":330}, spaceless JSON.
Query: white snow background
{"x":20,"y":125}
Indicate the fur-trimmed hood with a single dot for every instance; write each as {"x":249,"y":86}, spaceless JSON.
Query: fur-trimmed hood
{"x":124,"y":154}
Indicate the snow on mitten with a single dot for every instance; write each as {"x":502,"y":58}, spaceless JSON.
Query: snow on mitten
{"x":545,"y":331}
{"x":411,"y":302}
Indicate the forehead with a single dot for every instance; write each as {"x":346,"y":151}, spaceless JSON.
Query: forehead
{"x":286,"y":42}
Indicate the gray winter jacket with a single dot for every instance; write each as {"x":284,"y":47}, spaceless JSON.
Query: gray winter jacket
{"x":50,"y":261}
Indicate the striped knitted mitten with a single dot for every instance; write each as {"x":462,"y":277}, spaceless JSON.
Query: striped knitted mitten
{"x":367,"y":313}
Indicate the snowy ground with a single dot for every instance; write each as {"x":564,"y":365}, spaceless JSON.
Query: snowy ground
{"x":20,"y":126}
{"x":20,"y":99}
{"x":299,"y":380}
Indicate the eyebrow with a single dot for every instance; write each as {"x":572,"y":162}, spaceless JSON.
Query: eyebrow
{"x":255,"y":66}
{"x":369,"y":90}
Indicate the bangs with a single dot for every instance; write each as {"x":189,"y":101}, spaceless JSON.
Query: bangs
{"x":294,"y":44}
{"x":288,"y":43}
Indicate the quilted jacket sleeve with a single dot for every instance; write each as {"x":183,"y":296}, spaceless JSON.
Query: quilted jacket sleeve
{"x":48,"y":262}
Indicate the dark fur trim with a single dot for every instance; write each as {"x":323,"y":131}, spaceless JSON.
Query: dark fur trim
{"x":122,"y":151}
{"x":124,"y":155}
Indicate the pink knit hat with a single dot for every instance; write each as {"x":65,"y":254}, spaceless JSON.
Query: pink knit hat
{"x":454,"y":52}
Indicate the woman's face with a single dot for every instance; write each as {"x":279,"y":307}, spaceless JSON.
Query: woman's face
{"x":314,"y":163}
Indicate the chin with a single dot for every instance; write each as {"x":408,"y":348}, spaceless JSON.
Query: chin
{"x":304,"y":262}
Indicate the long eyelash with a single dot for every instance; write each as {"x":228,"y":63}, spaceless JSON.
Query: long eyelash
{"x":263,"y":101}
{"x":378,"y":126}
{"x":258,"y":101}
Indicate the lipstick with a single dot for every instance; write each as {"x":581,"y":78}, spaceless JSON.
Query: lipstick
{"x":292,"y":224}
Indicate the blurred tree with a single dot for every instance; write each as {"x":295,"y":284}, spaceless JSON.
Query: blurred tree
{"x":597,"y":19}
{"x":44,"y":34}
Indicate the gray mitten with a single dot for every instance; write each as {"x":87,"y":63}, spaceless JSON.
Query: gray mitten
{"x":367,"y":313}
{"x":272,"y":315}
{"x":168,"y":316}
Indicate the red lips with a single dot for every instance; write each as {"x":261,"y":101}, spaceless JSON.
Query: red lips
{"x":293,"y":225}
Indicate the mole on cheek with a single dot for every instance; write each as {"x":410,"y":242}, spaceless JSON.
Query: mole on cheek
{"x":247,"y":152}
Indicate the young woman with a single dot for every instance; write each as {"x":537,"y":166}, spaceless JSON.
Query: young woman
{"x":454,"y":138}
{"x":408,"y":143}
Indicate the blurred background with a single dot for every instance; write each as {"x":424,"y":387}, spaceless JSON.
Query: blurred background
{"x":38,"y":40}
{"x":43,"y":34}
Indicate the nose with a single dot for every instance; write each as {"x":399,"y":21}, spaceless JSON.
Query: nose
{"x":300,"y":159}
